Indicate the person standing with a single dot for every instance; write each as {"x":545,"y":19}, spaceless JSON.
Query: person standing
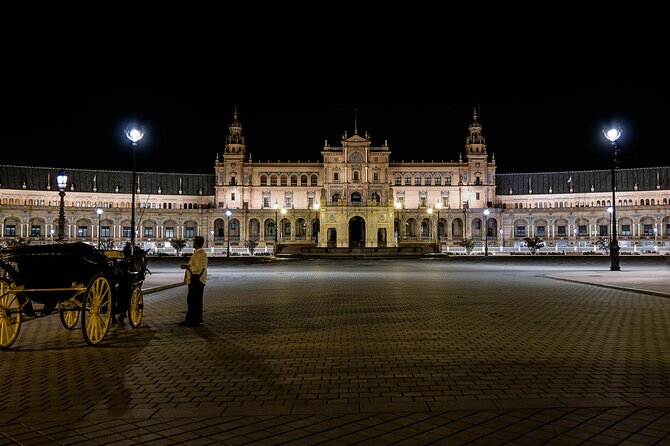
{"x":196,"y":277}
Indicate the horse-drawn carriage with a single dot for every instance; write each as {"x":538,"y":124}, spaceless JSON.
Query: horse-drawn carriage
{"x":75,"y":279}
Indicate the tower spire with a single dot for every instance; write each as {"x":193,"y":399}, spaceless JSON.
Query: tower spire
{"x":355,"y":121}
{"x":235,"y":141}
{"x":475,"y":143}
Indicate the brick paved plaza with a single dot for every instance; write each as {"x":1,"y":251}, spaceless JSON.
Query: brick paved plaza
{"x":376,"y":352}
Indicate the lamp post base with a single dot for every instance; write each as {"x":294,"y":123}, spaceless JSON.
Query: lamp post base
{"x":614,"y":257}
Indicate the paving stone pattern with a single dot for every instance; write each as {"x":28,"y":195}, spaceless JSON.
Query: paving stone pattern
{"x":354,"y":352}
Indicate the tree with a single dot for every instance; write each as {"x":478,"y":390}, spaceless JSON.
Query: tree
{"x":468,"y":244}
{"x":251,"y":245}
{"x":107,"y":245}
{"x":603,"y":243}
{"x":18,"y":241}
{"x":534,"y":243}
{"x":178,"y":244}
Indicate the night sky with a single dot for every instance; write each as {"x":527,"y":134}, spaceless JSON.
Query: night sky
{"x":546,"y":84}
{"x":532,"y":123}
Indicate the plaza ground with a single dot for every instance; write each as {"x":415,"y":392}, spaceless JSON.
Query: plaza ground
{"x":399,"y":351}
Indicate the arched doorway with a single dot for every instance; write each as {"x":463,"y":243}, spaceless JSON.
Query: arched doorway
{"x":332,"y":238}
{"x":356,"y":232}
{"x":381,"y":237}
{"x":316,"y":227}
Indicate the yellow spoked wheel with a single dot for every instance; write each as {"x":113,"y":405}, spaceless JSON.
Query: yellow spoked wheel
{"x":96,"y":312}
{"x":69,"y":318}
{"x":136,"y":307}
{"x":10,"y":315}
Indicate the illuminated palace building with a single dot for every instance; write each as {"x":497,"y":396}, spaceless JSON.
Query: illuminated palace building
{"x":356,"y":197}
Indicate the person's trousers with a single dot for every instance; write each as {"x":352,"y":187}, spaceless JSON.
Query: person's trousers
{"x":194,"y":302}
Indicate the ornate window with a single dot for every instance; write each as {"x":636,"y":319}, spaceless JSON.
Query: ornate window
{"x":82,"y":231}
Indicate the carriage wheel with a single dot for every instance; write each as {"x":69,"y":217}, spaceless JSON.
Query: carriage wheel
{"x":96,"y":311}
{"x":10,"y":315}
{"x":136,"y":307}
{"x":69,"y":318}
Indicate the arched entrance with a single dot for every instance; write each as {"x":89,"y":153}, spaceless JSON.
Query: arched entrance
{"x":356,"y":232}
{"x":316,"y":227}
{"x":381,"y":237}
{"x":332,"y":238}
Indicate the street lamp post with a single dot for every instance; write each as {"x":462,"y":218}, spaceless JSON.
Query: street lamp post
{"x":134,"y":135}
{"x":486,"y":229}
{"x":398,"y":206}
{"x":438,"y":206}
{"x":310,"y":228}
{"x":276,"y":206}
{"x":609,"y":225}
{"x":612,"y":135}
{"x":61,"y":180}
{"x":99,"y":212}
{"x":283,"y":212}
{"x":430,"y":223}
{"x":228,"y":214}
{"x":502,"y":241}
{"x":465,"y":220}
